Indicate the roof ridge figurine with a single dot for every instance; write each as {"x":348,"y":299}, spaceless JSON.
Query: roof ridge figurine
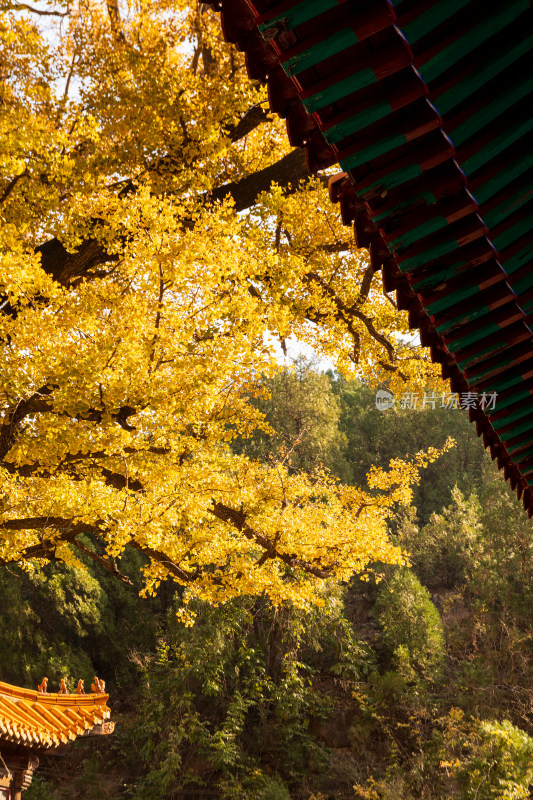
{"x":98,"y":686}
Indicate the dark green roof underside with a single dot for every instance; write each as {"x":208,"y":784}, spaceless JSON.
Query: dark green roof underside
{"x":427,"y":106}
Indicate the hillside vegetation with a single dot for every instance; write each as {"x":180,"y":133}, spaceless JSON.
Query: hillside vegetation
{"x":415,"y":683}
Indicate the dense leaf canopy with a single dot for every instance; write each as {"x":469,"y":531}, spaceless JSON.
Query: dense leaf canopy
{"x":158,"y":235}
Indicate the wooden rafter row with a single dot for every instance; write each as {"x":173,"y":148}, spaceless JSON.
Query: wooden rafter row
{"x":426,"y":105}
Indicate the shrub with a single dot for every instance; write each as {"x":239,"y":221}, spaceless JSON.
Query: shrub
{"x":499,"y":764}
{"x":274,"y":789}
{"x":412,"y":631}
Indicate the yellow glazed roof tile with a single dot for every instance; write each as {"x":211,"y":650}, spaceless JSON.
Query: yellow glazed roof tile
{"x":49,"y":719}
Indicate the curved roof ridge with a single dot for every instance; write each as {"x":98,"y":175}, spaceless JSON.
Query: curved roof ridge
{"x":52,"y":698}
{"x":30,"y":717}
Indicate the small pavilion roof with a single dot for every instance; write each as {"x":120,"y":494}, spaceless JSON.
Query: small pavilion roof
{"x":427,"y":107}
{"x":36,"y":719}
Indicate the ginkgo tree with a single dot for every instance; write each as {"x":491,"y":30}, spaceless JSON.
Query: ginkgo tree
{"x":158,"y":234}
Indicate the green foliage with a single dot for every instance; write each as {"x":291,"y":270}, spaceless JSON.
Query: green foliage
{"x":257,"y":703}
{"x":234,"y":695}
{"x":374,"y":437}
{"x":274,"y":789}
{"x":92,"y":778}
{"x":65,"y":622}
{"x":499,"y":764}
{"x":464,"y":759}
{"x":303,"y":414}
{"x":447,"y":549}
{"x":47,"y":617}
{"x":39,"y":790}
{"x":413,"y":635}
{"x":503,"y":574}
{"x":488,"y":760}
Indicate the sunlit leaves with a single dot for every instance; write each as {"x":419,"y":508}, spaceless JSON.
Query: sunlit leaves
{"x":121,"y":389}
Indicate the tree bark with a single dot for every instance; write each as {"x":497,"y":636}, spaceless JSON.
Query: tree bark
{"x":65,"y":267}
{"x":288,"y":172}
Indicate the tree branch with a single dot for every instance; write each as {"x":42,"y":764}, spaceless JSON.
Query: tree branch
{"x":254,"y":117}
{"x":186,"y":576}
{"x":65,"y":267}
{"x":32,"y":405}
{"x":26,"y":470}
{"x":287,"y":173}
{"x":38,"y":404}
{"x":366,"y":283}
{"x":114,"y":18}
{"x":70,"y":529}
{"x":250,"y":120}
{"x":12,"y":184}
{"x":345,"y":313}
{"x":109,"y":565}
{"x":238,"y":520}
{"x":46,"y":548}
{"x":114,"y":479}
{"x":26,"y":7}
